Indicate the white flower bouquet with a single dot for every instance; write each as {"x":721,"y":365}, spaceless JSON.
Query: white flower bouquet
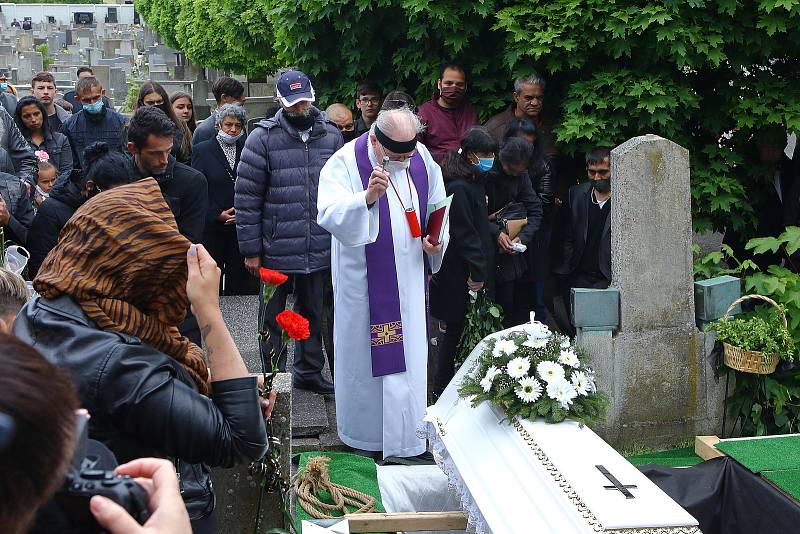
{"x":533,"y":372}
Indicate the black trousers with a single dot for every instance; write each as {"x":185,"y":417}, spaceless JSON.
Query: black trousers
{"x":327,"y":319}
{"x":308,"y":289}
{"x":445,"y":358}
{"x":223,"y":246}
{"x":516,"y":302}
{"x":207,"y":525}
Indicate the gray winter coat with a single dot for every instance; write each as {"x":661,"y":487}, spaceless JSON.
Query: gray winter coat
{"x":276,"y":194}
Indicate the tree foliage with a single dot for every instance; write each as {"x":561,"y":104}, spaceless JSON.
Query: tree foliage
{"x":717,"y":76}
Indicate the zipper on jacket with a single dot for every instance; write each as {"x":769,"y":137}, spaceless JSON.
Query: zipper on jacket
{"x":308,"y":215}
{"x":178,"y":473}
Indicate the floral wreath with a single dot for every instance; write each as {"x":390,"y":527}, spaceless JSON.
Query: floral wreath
{"x":529,"y":372}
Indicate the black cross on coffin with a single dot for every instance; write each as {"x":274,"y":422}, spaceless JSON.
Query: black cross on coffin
{"x":617,"y":486}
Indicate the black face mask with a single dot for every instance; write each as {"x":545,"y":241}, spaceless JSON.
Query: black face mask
{"x":602,"y":186}
{"x":302,"y":122}
{"x":349,"y":136}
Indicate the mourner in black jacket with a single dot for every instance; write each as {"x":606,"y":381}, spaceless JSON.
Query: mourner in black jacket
{"x":509,"y":189}
{"x":105,"y":169}
{"x":468,"y":264}
{"x":16,"y":211}
{"x":531,"y":285}
{"x":15,"y":145}
{"x":586,"y":249}
{"x":218,"y":159}
{"x":107,"y":314}
{"x":150,"y":140}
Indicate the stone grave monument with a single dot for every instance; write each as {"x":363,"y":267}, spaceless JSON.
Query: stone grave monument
{"x":641,"y":336}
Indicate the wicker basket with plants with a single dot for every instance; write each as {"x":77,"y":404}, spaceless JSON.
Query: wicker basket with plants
{"x":754,"y":343}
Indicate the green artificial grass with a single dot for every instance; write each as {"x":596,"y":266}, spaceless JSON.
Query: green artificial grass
{"x":350,"y":470}
{"x":788,"y":480}
{"x":682,"y":457}
{"x":764,"y":454}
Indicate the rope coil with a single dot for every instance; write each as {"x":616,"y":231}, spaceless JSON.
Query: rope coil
{"x":315,"y":479}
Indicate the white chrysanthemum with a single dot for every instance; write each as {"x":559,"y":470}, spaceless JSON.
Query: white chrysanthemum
{"x":580,"y":382}
{"x":568,"y":357}
{"x":562,"y":391}
{"x":518,"y":367}
{"x":504,"y":346}
{"x":535,"y":343}
{"x":549,"y":371}
{"x":529,"y":389}
{"x":565,"y":344}
{"x":488,"y":379}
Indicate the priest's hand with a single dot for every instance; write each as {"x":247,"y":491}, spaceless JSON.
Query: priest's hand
{"x":252,"y":265}
{"x":378,"y":182}
{"x":505,"y":244}
{"x":429,"y":247}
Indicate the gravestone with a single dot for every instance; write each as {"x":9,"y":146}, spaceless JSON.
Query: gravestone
{"x":102,"y":73}
{"x":653,"y":368}
{"x":159,"y":72}
{"x":119,"y":85}
{"x":110,"y":47}
{"x":24,"y":42}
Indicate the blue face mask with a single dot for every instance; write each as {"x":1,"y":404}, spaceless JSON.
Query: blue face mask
{"x":97,"y":107}
{"x":484,"y":164}
{"x":3,"y":86}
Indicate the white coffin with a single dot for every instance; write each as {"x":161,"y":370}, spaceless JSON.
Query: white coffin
{"x":533,"y":477}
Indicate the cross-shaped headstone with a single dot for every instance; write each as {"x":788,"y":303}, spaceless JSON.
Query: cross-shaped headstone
{"x":617,"y":485}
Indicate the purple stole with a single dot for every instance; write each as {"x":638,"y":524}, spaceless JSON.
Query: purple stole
{"x":385,"y":322}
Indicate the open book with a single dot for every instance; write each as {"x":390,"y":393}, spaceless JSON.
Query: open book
{"x":438,"y":214}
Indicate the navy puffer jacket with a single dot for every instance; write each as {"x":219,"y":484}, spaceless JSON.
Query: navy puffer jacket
{"x":276,"y":194}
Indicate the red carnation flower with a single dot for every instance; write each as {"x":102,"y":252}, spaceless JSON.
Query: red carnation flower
{"x":270,"y":277}
{"x":295,"y":325}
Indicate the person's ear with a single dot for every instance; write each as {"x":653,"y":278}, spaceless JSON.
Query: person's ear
{"x":103,"y":91}
{"x":439,"y":84}
{"x":89,"y":185}
{"x":131,"y":148}
{"x":6,"y":324}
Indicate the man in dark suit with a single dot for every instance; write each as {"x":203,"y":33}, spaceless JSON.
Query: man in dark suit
{"x":586,"y":247}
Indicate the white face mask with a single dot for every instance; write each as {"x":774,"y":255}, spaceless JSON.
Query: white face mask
{"x":398,"y":166}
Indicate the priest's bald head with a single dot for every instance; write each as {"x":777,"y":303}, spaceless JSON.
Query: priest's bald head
{"x":394,"y":134}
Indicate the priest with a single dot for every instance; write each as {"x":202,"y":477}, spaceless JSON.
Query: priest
{"x":373,"y":199}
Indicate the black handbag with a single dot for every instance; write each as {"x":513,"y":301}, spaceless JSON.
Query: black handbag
{"x":511,"y":218}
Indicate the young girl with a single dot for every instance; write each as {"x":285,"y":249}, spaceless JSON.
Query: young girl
{"x":184,"y":108}
{"x":45,"y":180}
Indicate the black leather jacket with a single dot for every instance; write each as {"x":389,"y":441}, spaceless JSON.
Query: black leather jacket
{"x":12,"y":141}
{"x":143,"y":402}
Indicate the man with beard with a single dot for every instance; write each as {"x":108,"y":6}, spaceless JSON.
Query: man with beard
{"x":276,"y":216}
{"x":448,"y":114}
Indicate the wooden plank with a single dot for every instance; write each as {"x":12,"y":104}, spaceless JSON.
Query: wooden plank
{"x":407,"y":522}
{"x":705,"y":449}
